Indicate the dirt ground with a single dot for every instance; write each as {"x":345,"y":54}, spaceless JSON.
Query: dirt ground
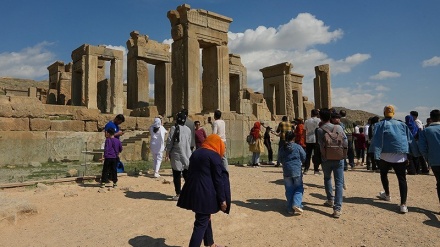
{"x":141,"y":213}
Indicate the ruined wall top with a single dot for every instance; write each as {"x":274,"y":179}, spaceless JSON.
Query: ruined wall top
{"x":276,"y":70}
{"x":100,"y":51}
{"x":141,"y":46}
{"x":235,"y":59}
{"x":184,"y":14}
{"x":323,"y":68}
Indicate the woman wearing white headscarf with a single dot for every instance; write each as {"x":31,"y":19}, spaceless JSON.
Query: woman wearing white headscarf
{"x":157,"y":144}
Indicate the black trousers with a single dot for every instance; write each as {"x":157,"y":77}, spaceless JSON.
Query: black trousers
{"x":202,"y":230}
{"x":177,"y":180}
{"x":269,"y":151}
{"x":109,"y":170}
{"x":436,"y":170}
{"x":400,"y":170}
{"x":311,"y":147}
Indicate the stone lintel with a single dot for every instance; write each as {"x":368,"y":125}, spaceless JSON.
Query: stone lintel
{"x":100,"y":51}
{"x":276,"y":70}
{"x":235,"y":59}
{"x":152,"y":55}
{"x":201,"y":18}
{"x":57,"y":66}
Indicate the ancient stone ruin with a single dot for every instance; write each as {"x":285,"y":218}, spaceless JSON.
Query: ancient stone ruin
{"x":198,"y":74}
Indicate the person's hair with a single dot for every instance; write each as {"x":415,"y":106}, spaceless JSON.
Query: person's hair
{"x":335,"y":115}
{"x":120,"y":117}
{"x":289,"y":136}
{"x":343,"y":113}
{"x":196,"y":122}
{"x":110,"y":131}
{"x":435,"y":115}
{"x":374,"y":120}
{"x":414,"y":113}
{"x":314,"y":112}
{"x":217,"y":114}
{"x":325,"y":115}
{"x":284,"y":118}
{"x":361,"y":130}
{"x":185,"y":111}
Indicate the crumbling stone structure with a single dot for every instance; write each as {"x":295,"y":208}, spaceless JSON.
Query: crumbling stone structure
{"x":322,"y":87}
{"x":89,"y":70}
{"x":283,"y":91}
{"x":237,"y":80}
{"x":141,"y":52}
{"x":60,"y":77}
{"x":192,"y":30}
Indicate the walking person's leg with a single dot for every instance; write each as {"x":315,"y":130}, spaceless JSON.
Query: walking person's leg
{"x":177,"y":181}
{"x":436,"y":171}
{"x":338,"y":173}
{"x":309,"y":150}
{"x":105,"y":171}
{"x":327,"y":170}
{"x":289,"y":192}
{"x":384,"y":168}
{"x":298,"y":191}
{"x":201,"y":223}
{"x":400,"y":170}
{"x":113,"y":171}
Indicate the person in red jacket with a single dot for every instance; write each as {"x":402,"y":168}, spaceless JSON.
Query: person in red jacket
{"x":300,"y":135}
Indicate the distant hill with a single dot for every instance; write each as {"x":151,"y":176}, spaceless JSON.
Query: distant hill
{"x":21,"y":84}
{"x":357,"y":116}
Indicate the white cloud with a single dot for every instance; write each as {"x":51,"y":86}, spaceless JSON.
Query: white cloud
{"x":382,"y":75}
{"x":30,"y":62}
{"x":434,"y":61}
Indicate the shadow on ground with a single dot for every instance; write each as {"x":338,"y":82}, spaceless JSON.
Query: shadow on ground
{"x":148,"y":195}
{"x":264,"y":205}
{"x":147,"y":241}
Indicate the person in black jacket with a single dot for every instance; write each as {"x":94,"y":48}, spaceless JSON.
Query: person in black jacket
{"x":206,"y":190}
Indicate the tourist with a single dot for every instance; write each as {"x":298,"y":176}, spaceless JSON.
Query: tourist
{"x":157,"y":144}
{"x":422,"y":167}
{"x":329,"y":166}
{"x":206,"y":189}
{"x":199,"y":134}
{"x":413,"y":166}
{"x":119,"y":119}
{"x":178,"y":150}
{"x":392,"y":142}
{"x":112,"y":148}
{"x":310,"y":127}
{"x":219,"y":128}
{"x":360,"y":145}
{"x":348,"y":127}
{"x":257,"y":147}
{"x":268,"y":143}
{"x":372,"y":163}
{"x":283,"y":127}
{"x":300,"y":135}
{"x":190,"y":124}
{"x":429,"y":145}
{"x":292,"y":156}
{"x":428,"y":122}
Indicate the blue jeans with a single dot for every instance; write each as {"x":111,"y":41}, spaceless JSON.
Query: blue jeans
{"x":255,"y":158}
{"x":337,"y":167}
{"x":294,"y":192}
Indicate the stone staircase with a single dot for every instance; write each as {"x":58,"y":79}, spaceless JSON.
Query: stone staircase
{"x":133,"y":148}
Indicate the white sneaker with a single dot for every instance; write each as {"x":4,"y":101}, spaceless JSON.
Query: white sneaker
{"x":403,"y":209}
{"x":175,"y":198}
{"x":383,"y":196}
{"x":298,"y":210}
{"x":156,"y":175}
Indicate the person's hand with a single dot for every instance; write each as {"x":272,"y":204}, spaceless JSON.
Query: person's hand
{"x":120,"y":132}
{"x":167,"y":156}
{"x":223,"y":206}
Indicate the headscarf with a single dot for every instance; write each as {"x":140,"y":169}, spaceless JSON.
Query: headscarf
{"x":180,"y":121}
{"x":156,"y":124}
{"x":214,"y":142}
{"x":255,"y":131}
{"x":409,"y":120}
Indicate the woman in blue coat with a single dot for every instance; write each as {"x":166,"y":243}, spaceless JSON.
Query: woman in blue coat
{"x":207,"y":189}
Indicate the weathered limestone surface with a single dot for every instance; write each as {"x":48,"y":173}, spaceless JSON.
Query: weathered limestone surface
{"x":144,"y":123}
{"x":5,"y":106}
{"x":150,"y":111}
{"x":237,"y":81}
{"x":86,"y":114}
{"x":67,"y":125}
{"x":39,"y":124}
{"x":129,"y":124}
{"x":322,"y":86}
{"x":91,"y":126}
{"x":23,"y":107}
{"x":277,"y":89}
{"x":14,"y":124}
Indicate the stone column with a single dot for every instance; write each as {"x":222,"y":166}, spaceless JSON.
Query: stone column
{"x":91,"y":82}
{"x":78,"y":82}
{"x":137,"y":83}
{"x":223,"y":78}
{"x":162,"y":89}
{"x":116,"y":83}
{"x":322,"y":86}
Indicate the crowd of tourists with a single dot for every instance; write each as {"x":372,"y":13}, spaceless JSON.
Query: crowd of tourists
{"x":328,"y":139}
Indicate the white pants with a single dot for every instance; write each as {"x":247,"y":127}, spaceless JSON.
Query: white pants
{"x":157,"y":160}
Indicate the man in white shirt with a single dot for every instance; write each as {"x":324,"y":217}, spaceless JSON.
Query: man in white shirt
{"x":310,"y":126}
{"x":219,"y":128}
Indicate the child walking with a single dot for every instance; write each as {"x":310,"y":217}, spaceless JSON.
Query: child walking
{"x":292,"y":156}
{"x":112,"y":148}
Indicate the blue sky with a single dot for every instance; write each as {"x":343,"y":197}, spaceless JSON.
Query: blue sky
{"x":380,"y":52}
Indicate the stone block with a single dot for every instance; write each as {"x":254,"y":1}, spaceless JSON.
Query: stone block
{"x":5,"y":107}
{"x":103,"y":119}
{"x":14,"y":124}
{"x":91,"y":126}
{"x":39,"y":124}
{"x":87,"y":114}
{"x":148,"y":111}
{"x":143,"y":123}
{"x":61,"y":110}
{"x":129,"y":124}
{"x":228,"y":116}
{"x":26,"y":107}
{"x":22,"y":147}
{"x":67,"y":125}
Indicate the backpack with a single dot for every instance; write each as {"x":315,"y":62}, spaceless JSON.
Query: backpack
{"x":250,"y":139}
{"x":333,"y":145}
